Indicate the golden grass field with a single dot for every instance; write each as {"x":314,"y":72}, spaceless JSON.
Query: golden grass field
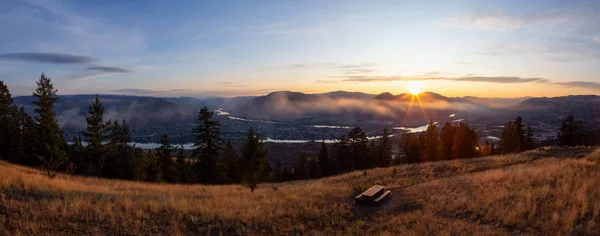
{"x":551,"y":191}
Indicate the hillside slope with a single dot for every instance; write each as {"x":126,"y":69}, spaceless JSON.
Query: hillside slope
{"x":548,"y":192}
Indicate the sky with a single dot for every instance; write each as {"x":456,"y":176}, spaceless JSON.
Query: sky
{"x":228,"y":48}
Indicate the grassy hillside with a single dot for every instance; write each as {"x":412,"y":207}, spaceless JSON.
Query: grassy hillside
{"x":548,"y":192}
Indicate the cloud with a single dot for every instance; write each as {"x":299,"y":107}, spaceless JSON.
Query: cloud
{"x":232,"y":84}
{"x":146,"y":91}
{"x":596,"y":39}
{"x":496,"y":21}
{"x":109,"y":69}
{"x":328,"y":81}
{"x":496,"y":79}
{"x":580,"y":84}
{"x":135,"y":91}
{"x":556,"y":51}
{"x":179,"y":90}
{"x":54,"y":58}
{"x":84,"y":77}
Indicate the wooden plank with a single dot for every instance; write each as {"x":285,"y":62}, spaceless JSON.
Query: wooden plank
{"x":373,"y":191}
{"x":383,"y":196}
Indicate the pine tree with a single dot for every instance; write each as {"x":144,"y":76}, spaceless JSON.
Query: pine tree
{"x":570,"y":132}
{"x":278,"y":171}
{"x":529,"y":143}
{"x":95,"y":134}
{"x":165,"y":154}
{"x":432,"y":143}
{"x":413,"y":150}
{"x":323,"y":160}
{"x":10,"y":145}
{"x":383,"y":155}
{"x":465,"y":142}
{"x":186,"y":174}
{"x":359,"y":149}
{"x":76,"y":156}
{"x":509,"y":139}
{"x":447,"y":141}
{"x":49,"y":141}
{"x":207,"y":148}
{"x":313,"y":169}
{"x":520,"y":134}
{"x":231,"y":160}
{"x":153,"y":168}
{"x":343,"y":159}
{"x":254,"y":159}
{"x":121,"y":158}
{"x":27,"y":135}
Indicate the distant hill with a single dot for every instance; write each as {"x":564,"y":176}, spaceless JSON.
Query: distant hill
{"x":586,"y":107}
{"x":151,"y":116}
{"x":406,"y":97}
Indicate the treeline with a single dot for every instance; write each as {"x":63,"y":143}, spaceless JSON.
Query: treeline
{"x":451,"y":141}
{"x":103,"y":149}
{"x":356,"y":152}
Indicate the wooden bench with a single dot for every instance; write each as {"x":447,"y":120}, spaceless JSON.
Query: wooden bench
{"x":374,"y":195}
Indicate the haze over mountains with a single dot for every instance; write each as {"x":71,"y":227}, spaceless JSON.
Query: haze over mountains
{"x":283,"y":112}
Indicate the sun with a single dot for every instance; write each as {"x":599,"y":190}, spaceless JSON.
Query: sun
{"x":414,"y":88}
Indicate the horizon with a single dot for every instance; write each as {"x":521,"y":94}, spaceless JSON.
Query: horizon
{"x":219,"y":49}
{"x":319,"y":93}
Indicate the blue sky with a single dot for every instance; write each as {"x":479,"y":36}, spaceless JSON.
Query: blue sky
{"x":230,"y":48}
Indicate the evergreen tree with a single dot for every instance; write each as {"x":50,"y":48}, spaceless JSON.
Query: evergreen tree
{"x":153,"y":168}
{"x":323,"y":160}
{"x":313,"y":169}
{"x":49,"y":141}
{"x":343,"y":159}
{"x":570,"y":132}
{"x":383,"y":154}
{"x":186,"y":174}
{"x":301,"y":167}
{"x":432,"y":143}
{"x":515,"y":138}
{"x":95,"y":134}
{"x":10,"y":145}
{"x":27,"y":135}
{"x":520,"y":134}
{"x":207,"y":148}
{"x":232,"y":162}
{"x":165,"y":154}
{"x":447,"y":141}
{"x":529,"y":143}
{"x":120,"y":156}
{"x":465,"y":142}
{"x":76,"y":156}
{"x":254,"y":160}
{"x":411,"y":147}
{"x":509,"y":139}
{"x":359,"y":149}
{"x":278,"y":171}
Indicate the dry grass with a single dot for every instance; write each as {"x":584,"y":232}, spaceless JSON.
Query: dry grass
{"x":551,"y":191}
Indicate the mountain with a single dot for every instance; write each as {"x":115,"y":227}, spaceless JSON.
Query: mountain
{"x":286,"y":114}
{"x":586,"y":107}
{"x":428,"y":97}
